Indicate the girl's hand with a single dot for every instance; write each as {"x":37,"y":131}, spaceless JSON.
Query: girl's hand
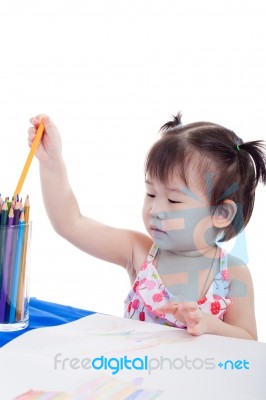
{"x":50,"y":147}
{"x":188,"y":313}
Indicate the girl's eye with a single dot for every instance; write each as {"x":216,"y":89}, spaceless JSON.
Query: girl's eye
{"x":174,"y":202}
{"x":150,"y":195}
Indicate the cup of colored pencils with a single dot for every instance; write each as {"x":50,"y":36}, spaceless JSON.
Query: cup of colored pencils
{"x":15,"y":242}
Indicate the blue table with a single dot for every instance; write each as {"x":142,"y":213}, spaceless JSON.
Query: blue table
{"x":42,"y":314}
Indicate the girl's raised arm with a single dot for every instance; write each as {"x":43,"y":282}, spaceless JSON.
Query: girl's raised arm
{"x":118,"y":246}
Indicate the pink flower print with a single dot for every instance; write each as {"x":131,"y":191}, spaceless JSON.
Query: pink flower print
{"x":129,"y":306}
{"x":142,"y":316}
{"x":215,"y":307}
{"x":135,"y":304}
{"x":144,"y":266}
{"x":202,"y":300}
{"x":150,"y":284}
{"x":135,"y":286}
{"x":224,"y":274}
{"x":157,"y":297}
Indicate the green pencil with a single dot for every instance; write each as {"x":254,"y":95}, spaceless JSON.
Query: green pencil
{"x":3,"y":238}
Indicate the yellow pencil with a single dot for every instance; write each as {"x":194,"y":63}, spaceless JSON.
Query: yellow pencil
{"x":23,"y":277}
{"x":22,"y":282}
{"x":27,"y":209}
{"x":29,"y":159}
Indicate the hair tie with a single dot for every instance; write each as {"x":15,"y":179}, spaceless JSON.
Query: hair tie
{"x":237,"y":147}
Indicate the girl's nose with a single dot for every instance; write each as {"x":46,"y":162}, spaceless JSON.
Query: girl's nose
{"x":157,"y":208}
{"x":158,"y":214}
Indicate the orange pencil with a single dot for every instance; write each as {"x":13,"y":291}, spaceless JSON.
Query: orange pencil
{"x":29,"y":159}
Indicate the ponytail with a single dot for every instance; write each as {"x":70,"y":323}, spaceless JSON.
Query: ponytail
{"x":257,"y":151}
{"x":176,"y":123}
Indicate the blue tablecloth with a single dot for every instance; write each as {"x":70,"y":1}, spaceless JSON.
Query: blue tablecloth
{"x":43,"y":313}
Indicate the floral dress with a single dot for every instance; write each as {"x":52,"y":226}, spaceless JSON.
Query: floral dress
{"x":149,"y":292}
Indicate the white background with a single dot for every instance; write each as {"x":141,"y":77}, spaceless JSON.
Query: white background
{"x":110,"y":73}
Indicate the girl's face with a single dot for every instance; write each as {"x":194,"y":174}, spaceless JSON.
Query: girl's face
{"x":177,"y":217}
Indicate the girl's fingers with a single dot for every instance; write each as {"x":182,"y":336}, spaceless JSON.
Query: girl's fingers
{"x":37,"y":118}
{"x":168,"y":308}
{"x":195,"y":315}
{"x":171,"y":308}
{"x":174,"y":306}
{"x":31,"y":132}
{"x":187,"y":312}
{"x":35,"y":122}
{"x":189,"y":306}
{"x":31,"y":138}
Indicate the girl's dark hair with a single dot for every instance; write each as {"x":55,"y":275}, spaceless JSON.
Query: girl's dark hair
{"x":209,"y":147}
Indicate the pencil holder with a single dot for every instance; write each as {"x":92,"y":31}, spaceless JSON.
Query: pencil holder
{"x":15,"y":246}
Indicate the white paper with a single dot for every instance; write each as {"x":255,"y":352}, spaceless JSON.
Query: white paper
{"x":28,"y":362}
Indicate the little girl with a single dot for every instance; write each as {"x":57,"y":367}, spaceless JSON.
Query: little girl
{"x":200,"y":189}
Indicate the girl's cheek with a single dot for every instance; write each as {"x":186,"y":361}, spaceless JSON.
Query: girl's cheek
{"x":173,"y":224}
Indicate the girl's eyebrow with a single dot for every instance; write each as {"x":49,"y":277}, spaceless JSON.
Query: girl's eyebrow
{"x":180,"y":191}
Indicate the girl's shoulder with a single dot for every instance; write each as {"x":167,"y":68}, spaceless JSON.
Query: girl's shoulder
{"x":239,"y":276}
{"x":235,"y":265}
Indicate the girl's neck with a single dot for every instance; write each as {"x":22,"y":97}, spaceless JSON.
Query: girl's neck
{"x":203,"y":253}
{"x":168,"y":262}
{"x":188,"y":271}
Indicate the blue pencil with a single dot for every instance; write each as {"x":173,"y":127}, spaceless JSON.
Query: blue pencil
{"x":16,"y":213}
{"x":16,"y":270}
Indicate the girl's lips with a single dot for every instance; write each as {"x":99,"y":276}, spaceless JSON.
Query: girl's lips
{"x":155,"y":229}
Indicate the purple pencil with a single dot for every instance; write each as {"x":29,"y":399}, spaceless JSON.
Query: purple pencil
{"x":7,"y":256}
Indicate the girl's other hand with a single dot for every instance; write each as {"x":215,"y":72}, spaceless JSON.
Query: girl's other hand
{"x":50,"y":147}
{"x":188,"y":313}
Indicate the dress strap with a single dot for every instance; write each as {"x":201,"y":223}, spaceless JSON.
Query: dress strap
{"x":153,"y":251}
{"x":223,"y":260}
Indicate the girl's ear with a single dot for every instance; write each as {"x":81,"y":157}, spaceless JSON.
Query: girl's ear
{"x":224,"y":214}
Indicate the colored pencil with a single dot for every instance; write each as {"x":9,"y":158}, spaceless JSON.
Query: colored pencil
{"x":12,"y":258}
{"x":4,"y":214}
{"x":29,"y":158}
{"x":16,"y":269}
{"x":27,"y":209}
{"x":8,"y":202}
{"x":2,"y":239}
{"x":16,"y":213}
{"x":23,"y":277}
{"x":1,"y":205}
